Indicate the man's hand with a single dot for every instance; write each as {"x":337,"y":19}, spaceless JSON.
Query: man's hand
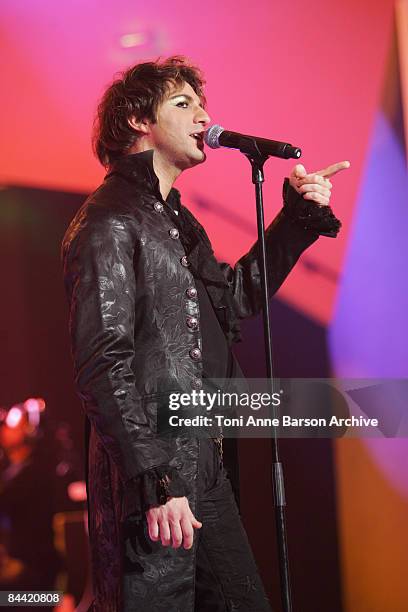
{"x":315,"y":186}
{"x":173,"y":523}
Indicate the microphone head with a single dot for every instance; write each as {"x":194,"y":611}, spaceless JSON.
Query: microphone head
{"x":211,"y":136}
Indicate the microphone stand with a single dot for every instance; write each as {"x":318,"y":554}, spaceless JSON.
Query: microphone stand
{"x":257,"y":160}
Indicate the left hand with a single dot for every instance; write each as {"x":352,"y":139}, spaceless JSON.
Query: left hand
{"x":315,"y":186}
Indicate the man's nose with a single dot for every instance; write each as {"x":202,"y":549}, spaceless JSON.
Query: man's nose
{"x":203,"y":117}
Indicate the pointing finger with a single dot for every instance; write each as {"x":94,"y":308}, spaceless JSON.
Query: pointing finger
{"x":333,"y":169}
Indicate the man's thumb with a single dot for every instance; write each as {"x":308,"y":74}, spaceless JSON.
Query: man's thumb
{"x":196,"y":524}
{"x":299,"y":171}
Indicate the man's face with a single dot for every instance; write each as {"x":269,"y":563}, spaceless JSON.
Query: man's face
{"x":179,"y":117}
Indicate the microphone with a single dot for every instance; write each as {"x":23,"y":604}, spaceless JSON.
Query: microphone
{"x":216,"y":137}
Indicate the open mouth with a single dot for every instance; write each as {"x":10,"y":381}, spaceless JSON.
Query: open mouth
{"x":198,"y":137}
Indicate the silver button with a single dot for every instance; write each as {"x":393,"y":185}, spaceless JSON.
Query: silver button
{"x":196,"y":383}
{"x":192,"y":292}
{"x":195,"y":354}
{"x":158,"y":207}
{"x":174,"y":233}
{"x":184,"y":261}
{"x":191,"y":308}
{"x":192,"y":322}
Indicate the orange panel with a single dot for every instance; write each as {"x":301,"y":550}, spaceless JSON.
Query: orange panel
{"x":373,"y":532}
{"x":401,"y":13}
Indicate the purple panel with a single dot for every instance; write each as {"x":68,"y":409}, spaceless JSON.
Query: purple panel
{"x":368,"y":335}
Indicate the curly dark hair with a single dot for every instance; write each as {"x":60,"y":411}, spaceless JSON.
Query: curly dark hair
{"x":138,"y":92}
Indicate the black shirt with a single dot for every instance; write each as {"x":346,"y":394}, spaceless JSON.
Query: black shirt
{"x":216,"y":352}
{"x":217,"y":355}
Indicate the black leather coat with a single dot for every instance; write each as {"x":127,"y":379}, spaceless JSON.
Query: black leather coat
{"x":130,"y":290}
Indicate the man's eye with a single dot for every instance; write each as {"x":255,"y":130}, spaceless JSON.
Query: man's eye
{"x":182,"y":104}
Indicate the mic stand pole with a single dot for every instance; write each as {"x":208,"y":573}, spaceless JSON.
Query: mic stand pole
{"x":257,"y":161}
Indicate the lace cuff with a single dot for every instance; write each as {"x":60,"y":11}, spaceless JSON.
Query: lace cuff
{"x":160,"y":483}
{"x":308,"y":215}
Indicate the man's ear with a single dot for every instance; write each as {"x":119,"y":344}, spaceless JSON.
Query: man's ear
{"x":139,"y":125}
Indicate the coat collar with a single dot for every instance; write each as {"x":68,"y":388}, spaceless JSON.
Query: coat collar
{"x":138,"y":168}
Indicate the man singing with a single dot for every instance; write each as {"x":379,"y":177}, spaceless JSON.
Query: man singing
{"x":153,"y":312}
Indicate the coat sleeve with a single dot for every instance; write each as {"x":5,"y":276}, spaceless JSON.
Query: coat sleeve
{"x":100,"y":282}
{"x":297,"y":226}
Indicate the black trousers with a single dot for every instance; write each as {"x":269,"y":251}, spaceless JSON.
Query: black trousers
{"x":227,"y":578}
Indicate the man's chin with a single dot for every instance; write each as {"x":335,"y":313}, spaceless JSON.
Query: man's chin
{"x":201,"y":156}
{"x":195,"y":160}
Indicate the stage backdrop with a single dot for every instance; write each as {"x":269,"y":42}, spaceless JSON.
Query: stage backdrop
{"x":328,"y":76}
